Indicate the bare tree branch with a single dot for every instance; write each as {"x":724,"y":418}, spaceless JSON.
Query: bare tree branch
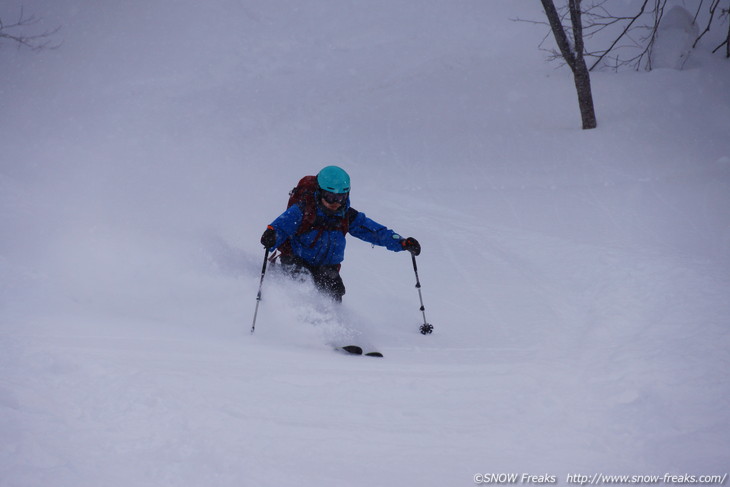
{"x":36,"y":42}
{"x":623,"y":33}
{"x":713,"y":7}
{"x":631,"y":37}
{"x":726,"y":42}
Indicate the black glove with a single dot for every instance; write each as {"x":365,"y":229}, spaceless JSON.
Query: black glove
{"x":268,"y":239}
{"x":411,"y":245}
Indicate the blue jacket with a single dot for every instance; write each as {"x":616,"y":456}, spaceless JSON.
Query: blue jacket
{"x":327,"y":247}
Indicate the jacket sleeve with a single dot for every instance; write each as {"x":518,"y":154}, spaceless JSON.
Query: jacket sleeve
{"x":373,"y":232}
{"x":287,"y":224}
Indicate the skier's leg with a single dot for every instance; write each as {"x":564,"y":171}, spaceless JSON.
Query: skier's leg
{"x":328,"y":280}
{"x":294,"y":267}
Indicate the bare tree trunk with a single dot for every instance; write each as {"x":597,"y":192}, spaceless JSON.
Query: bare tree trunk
{"x":585,"y":95}
{"x":574,"y":57}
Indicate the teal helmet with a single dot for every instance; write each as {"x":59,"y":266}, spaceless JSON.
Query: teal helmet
{"x":334,"y":179}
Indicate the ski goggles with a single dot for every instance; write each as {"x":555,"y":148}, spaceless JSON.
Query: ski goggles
{"x":332,"y":198}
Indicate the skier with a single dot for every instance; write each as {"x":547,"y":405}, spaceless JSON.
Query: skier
{"x":310,"y":234}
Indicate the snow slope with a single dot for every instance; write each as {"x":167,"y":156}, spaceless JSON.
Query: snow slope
{"x":577,"y":281}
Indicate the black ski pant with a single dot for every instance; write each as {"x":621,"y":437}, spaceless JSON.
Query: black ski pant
{"x":326,"y":277}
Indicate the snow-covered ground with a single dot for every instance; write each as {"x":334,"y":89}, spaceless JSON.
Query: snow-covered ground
{"x":578,"y":280}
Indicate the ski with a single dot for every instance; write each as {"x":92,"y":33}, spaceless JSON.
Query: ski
{"x":351,"y":349}
{"x":356,"y":350}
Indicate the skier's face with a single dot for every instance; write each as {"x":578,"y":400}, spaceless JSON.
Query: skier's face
{"x":331,"y":206}
{"x":333,"y":201}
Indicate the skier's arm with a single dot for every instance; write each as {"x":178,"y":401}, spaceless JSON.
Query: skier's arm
{"x":373,"y":232}
{"x":286,"y":224}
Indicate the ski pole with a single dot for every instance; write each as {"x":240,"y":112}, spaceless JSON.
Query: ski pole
{"x":426,"y":327}
{"x":258,"y":296}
